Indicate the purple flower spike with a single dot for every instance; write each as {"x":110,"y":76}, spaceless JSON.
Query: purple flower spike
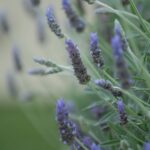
{"x":61,"y":110}
{"x":104,"y":84}
{"x":74,"y":19}
{"x":123,"y":116}
{"x":95,"y":50}
{"x":147,"y":146}
{"x":79,"y":69}
{"x":67,"y":128}
{"x":118,"y":30}
{"x":116,"y":46}
{"x":120,"y":106}
{"x":94,"y":40}
{"x":65,"y":4}
{"x":121,"y":66}
{"x":52,"y":23}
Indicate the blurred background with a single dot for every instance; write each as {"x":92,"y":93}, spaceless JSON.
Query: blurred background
{"x":28,"y":121}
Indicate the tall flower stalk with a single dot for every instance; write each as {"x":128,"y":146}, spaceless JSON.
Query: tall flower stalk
{"x":121,"y":66}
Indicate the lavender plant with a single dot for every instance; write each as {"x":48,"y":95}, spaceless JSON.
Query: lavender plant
{"x":111,"y":87}
{"x":69,"y":131}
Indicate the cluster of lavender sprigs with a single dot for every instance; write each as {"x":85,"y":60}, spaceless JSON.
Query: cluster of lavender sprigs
{"x":70,"y":132}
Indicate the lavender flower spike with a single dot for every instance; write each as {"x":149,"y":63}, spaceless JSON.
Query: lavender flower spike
{"x":105,"y":84}
{"x":68,"y":129}
{"x":79,"y":69}
{"x":95,"y":50}
{"x":147,"y":146}
{"x":123,"y":116}
{"x":116,"y":46}
{"x":74,"y":19}
{"x":52,"y":23}
{"x":119,"y":31}
{"x":121,"y":66}
{"x":120,"y":106}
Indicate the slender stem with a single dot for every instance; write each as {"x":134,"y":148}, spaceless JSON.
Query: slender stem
{"x":66,"y":68}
